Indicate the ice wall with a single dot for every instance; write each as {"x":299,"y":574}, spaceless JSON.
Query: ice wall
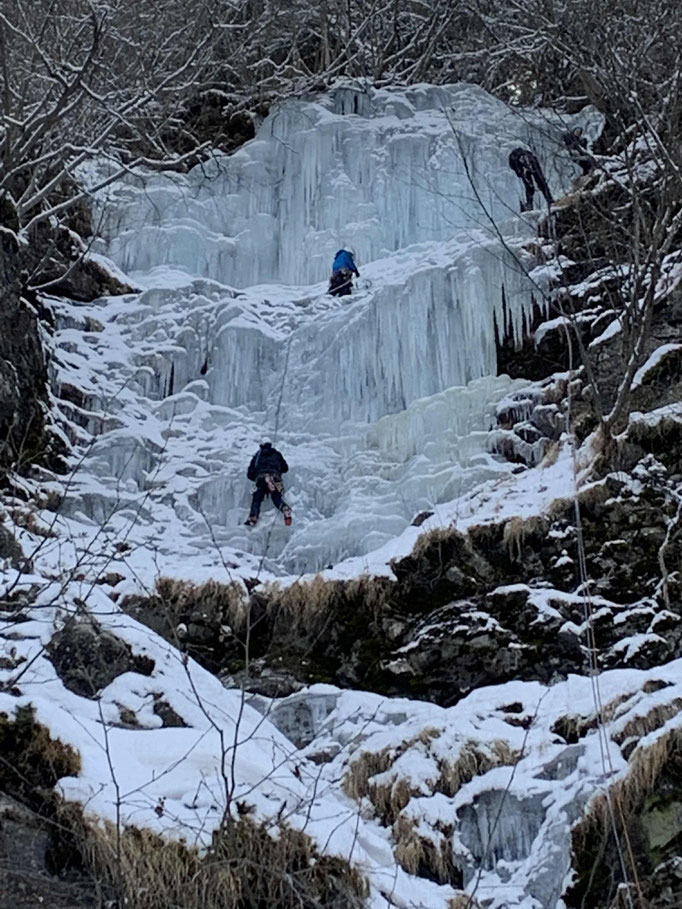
{"x":382,"y":401}
{"x":378,"y":169}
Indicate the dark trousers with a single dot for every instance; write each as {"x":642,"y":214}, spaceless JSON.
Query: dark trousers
{"x":261,"y":491}
{"x":530,"y":178}
{"x":341,"y":283}
{"x":585,"y":164}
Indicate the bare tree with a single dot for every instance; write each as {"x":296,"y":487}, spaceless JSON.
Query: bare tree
{"x":84,"y":79}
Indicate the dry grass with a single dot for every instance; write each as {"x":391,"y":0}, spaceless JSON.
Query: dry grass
{"x":419,"y":855}
{"x":434,"y":538}
{"x":51,"y":500}
{"x":367,"y":765}
{"x":28,"y":520}
{"x":31,"y":761}
{"x":573,"y":727}
{"x":559,"y":509}
{"x":390,"y":796}
{"x":628,"y":797}
{"x":248,"y":865}
{"x":462,"y":901}
{"x":474,"y":760}
{"x":176,"y":601}
{"x":311,"y":603}
{"x":245,"y":867}
{"x":646,"y":765}
{"x":551,"y":454}
{"x":564,"y":508}
{"x":517,"y":529}
{"x":639,"y":726}
{"x":389,"y":793}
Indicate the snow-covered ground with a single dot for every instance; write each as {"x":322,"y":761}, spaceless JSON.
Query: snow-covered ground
{"x":294,"y":759}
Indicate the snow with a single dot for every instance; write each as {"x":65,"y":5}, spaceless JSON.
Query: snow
{"x":383,"y":404}
{"x":653,"y":418}
{"x":653,"y":361}
{"x":612,"y":329}
{"x":176,"y":781}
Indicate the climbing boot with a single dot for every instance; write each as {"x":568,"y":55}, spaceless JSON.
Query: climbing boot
{"x":287,"y":516}
{"x":252,"y":520}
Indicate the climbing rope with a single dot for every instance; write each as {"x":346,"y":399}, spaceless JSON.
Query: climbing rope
{"x":593,"y":658}
{"x":281,"y":387}
{"x":285,"y":372}
{"x":607,"y":765}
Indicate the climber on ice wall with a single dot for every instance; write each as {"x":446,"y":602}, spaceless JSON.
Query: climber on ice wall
{"x":343,"y":269}
{"x":266,"y":469}
{"x":527,"y":168}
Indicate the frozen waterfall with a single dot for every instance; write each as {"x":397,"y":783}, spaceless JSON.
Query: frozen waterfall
{"x":378,"y":169}
{"x":382,"y":402}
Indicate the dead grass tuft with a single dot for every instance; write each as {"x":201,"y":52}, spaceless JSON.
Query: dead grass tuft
{"x":423,"y":856}
{"x":212,"y":605}
{"x":573,"y":727}
{"x":426,"y":542}
{"x":389,"y":797}
{"x":551,"y":454}
{"x":627,"y":799}
{"x":209,"y":600}
{"x":517,"y":529}
{"x":248,"y":864}
{"x":311,"y":603}
{"x":640,"y":726}
{"x":474,"y":760}
{"x":29,"y":521}
{"x":31,"y":761}
{"x":462,"y":901}
{"x":559,"y":509}
{"x":245,"y":866}
{"x":433,"y":858}
{"x":363,"y":768}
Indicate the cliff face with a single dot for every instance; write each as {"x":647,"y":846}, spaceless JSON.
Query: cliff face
{"x":441,"y":710}
{"x":23,"y":371}
{"x":54,"y":258}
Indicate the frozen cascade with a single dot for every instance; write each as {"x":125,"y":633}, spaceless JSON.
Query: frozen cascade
{"x":493,"y":835}
{"x":381,"y":402}
{"x":381,"y":169}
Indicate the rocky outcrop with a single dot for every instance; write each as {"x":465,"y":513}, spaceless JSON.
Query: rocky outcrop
{"x":88,"y":658}
{"x":56,"y":259}
{"x":503,"y":601}
{"x":644,"y":860}
{"x":23,"y":372}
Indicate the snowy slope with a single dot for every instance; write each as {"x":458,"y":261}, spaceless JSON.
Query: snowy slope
{"x":433,"y":786}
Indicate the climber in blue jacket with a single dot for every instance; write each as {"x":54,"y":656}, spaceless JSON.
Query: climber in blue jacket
{"x":343,"y":269}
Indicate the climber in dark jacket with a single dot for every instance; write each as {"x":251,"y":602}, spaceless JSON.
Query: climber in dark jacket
{"x":266,"y":469}
{"x":576,"y":144}
{"x":343,"y":269}
{"x":527,"y":168}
